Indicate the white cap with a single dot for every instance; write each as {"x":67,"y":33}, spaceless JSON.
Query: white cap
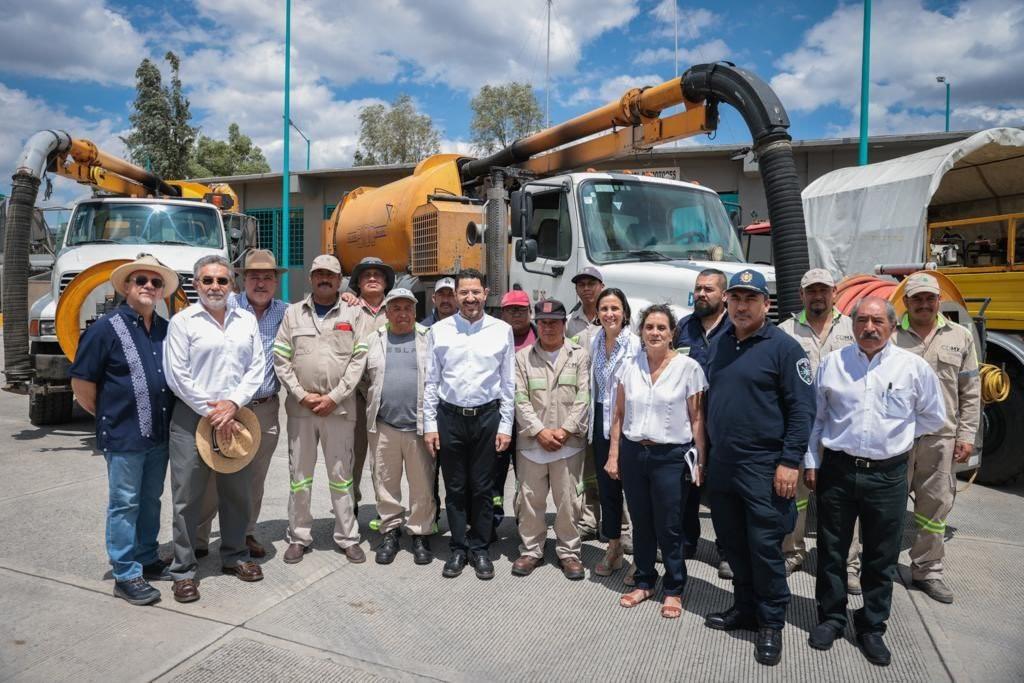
{"x":326,"y":262}
{"x":817,"y":276}
{"x":399,"y":293}
{"x":921,"y":282}
{"x":448,"y":282}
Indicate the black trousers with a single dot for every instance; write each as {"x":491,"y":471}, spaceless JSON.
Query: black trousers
{"x":691,"y":516}
{"x":467,"y":464}
{"x":750,"y":522}
{"x":500,"y":476}
{"x":879,"y":497}
{"x":609,"y":491}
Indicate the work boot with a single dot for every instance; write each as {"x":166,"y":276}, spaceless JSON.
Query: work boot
{"x":136,"y":591}
{"x":483,"y":566}
{"x":455,"y":564}
{"x":573,"y":569}
{"x":822,"y":636}
{"x":294,"y":553}
{"x":731,"y":620}
{"x":874,"y":649}
{"x":934,"y":589}
{"x":853,"y":583}
{"x":421,"y":553}
{"x":354,"y":553}
{"x":768,"y":646}
{"x":388,"y":548}
{"x":724,"y":570}
{"x":525,"y":564}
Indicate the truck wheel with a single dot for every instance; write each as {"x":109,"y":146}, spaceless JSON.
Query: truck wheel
{"x":50,"y":409}
{"x":1004,"y":460}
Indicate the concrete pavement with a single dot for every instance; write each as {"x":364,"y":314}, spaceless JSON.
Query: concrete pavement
{"x":325,"y":618}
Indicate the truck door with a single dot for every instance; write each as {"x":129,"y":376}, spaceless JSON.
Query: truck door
{"x":551,"y":227}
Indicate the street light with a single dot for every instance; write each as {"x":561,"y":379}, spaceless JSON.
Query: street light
{"x":943,"y":79}
{"x":303,"y":135}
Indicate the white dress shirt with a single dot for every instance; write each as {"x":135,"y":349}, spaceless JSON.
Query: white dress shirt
{"x":468,"y":365}
{"x":657,"y":411}
{"x":206,"y":362}
{"x":873,"y":409}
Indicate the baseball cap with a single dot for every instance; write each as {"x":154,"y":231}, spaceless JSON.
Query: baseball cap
{"x":515,"y":297}
{"x":445,"y":282}
{"x":921,"y":282}
{"x":326,"y":262}
{"x":748,"y":279}
{"x":589,"y":271}
{"x":549,"y":309}
{"x":399,"y":293}
{"x":817,"y":276}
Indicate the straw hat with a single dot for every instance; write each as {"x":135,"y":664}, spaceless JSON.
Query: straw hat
{"x":259,"y":259}
{"x":119,"y":276}
{"x":233,"y":456}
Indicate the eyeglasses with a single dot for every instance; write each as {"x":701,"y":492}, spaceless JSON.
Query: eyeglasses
{"x":143,"y":280}
{"x":222,"y":281}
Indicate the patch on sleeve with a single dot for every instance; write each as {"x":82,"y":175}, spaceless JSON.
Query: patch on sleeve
{"x":803,"y":368}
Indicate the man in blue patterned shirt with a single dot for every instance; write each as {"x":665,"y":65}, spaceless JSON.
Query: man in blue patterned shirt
{"x":260,"y":275}
{"x":118,"y":377}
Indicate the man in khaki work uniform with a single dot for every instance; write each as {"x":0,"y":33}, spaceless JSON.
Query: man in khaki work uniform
{"x":820,"y":329}
{"x":949,"y":350}
{"x":319,"y":362}
{"x":396,"y":364}
{"x":552,"y":404}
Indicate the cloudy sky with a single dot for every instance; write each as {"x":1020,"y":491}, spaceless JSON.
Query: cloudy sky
{"x":71,"y":63}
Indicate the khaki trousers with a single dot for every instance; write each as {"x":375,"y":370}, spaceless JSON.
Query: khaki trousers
{"x":305,"y":434}
{"x":795,"y":544}
{"x":560,"y":478}
{"x":931,"y":480}
{"x":268,"y":413}
{"x":360,"y":448}
{"x":393,"y":450}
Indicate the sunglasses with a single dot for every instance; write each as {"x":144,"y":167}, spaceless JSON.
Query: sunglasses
{"x":143,"y":280}
{"x":222,"y":281}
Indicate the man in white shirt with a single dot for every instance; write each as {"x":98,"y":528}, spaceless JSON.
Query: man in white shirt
{"x":214,"y":363}
{"x":873,"y":400}
{"x":467,"y":416}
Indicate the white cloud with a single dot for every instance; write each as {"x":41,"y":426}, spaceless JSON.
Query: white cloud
{"x":611,"y":89}
{"x":711,"y":51}
{"x":75,"y":40}
{"x":693,"y":22}
{"x":975,"y":44}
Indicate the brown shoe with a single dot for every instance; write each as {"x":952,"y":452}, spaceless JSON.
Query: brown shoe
{"x":246,"y":571}
{"x":573,"y":569}
{"x":525,"y":565}
{"x":354,"y":554}
{"x":294,"y":553}
{"x":255,"y":548}
{"x":186,"y":590}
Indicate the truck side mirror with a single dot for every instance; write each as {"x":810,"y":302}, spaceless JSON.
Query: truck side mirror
{"x":526,"y":251}
{"x":521,"y":203}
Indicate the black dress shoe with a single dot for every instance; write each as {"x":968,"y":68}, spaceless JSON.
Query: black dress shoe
{"x":455,"y":564}
{"x":136,"y":591}
{"x":388,"y":548}
{"x":730,"y":620}
{"x":874,"y":649}
{"x":822,"y":636}
{"x":768,"y":648}
{"x":421,"y":553}
{"x":483,"y":567}
{"x":156,"y":570}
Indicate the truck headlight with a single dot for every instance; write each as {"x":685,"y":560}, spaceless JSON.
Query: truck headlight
{"x":47,"y":328}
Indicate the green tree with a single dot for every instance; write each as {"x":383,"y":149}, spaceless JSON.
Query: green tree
{"x":395,"y":134}
{"x":502,"y":114}
{"x":161,"y":138}
{"x":237,"y":156}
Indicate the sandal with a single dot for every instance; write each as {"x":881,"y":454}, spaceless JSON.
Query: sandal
{"x":672,"y":611}
{"x":612,"y":562}
{"x":635,"y":597}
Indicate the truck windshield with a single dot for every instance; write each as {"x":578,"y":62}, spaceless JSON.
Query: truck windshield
{"x":633,"y":220}
{"x":136,"y":223}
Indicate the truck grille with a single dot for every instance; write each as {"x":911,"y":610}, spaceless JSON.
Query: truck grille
{"x":65,"y":280}
{"x":184,"y":278}
{"x":424,"y":242}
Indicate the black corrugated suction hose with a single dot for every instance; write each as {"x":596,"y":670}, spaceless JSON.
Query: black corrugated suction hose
{"x":789,"y":234}
{"x":17,"y":364}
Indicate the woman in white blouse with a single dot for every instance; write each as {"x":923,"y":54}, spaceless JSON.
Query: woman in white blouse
{"x":658,"y":417}
{"x":611,"y":348}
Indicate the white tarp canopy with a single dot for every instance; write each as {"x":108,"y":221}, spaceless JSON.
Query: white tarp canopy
{"x":865,"y":215}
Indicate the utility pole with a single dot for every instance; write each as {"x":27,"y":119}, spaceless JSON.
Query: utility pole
{"x":285,"y":178}
{"x":547,"y":76}
{"x":865,"y":83}
{"x":943,"y":79}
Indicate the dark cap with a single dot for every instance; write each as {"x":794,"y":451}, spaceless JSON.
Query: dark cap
{"x":366,"y":264}
{"x":549,"y":309}
{"x":748,"y":279}
{"x":589,"y":271}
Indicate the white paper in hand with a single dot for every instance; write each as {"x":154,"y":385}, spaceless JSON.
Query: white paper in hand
{"x":691,"y":462}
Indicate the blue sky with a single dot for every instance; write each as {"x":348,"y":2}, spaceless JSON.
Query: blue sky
{"x":70,"y":63}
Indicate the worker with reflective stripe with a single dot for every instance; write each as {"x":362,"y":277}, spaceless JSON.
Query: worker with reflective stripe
{"x":820,"y":329}
{"x":396,"y":366}
{"x":949,"y":350}
{"x":552,"y":410}
{"x":319,"y":362}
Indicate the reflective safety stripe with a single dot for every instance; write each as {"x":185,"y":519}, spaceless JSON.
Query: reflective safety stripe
{"x":375,"y":524}
{"x":575,"y":339}
{"x":801,"y":505}
{"x":303,"y":485}
{"x":340,"y":486}
{"x":537,"y":383}
{"x":498,"y":501}
{"x":930,"y":525}
{"x":582,"y":397}
{"x":360,"y":348}
{"x":587,"y":481}
{"x":580,"y":488}
{"x":569,"y":380}
{"x":683,"y":350}
{"x":282,"y":349}
{"x":522,"y":397}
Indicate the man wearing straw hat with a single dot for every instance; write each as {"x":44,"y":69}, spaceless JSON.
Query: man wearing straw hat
{"x":214,"y":363}
{"x":117,"y":376}
{"x":260,"y":275}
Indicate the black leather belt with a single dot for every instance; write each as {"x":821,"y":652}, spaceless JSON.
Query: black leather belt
{"x":470,"y":412}
{"x":866,"y":463}
{"x":258,"y":401}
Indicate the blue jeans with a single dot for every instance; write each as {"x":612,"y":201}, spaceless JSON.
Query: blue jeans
{"x":135,"y":482}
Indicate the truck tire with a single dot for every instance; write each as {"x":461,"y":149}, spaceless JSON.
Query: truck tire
{"x":1004,"y":462}
{"x":50,"y":409}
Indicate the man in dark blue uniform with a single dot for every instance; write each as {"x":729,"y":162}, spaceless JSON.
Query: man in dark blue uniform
{"x":693,"y":336}
{"x":759,"y":415}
